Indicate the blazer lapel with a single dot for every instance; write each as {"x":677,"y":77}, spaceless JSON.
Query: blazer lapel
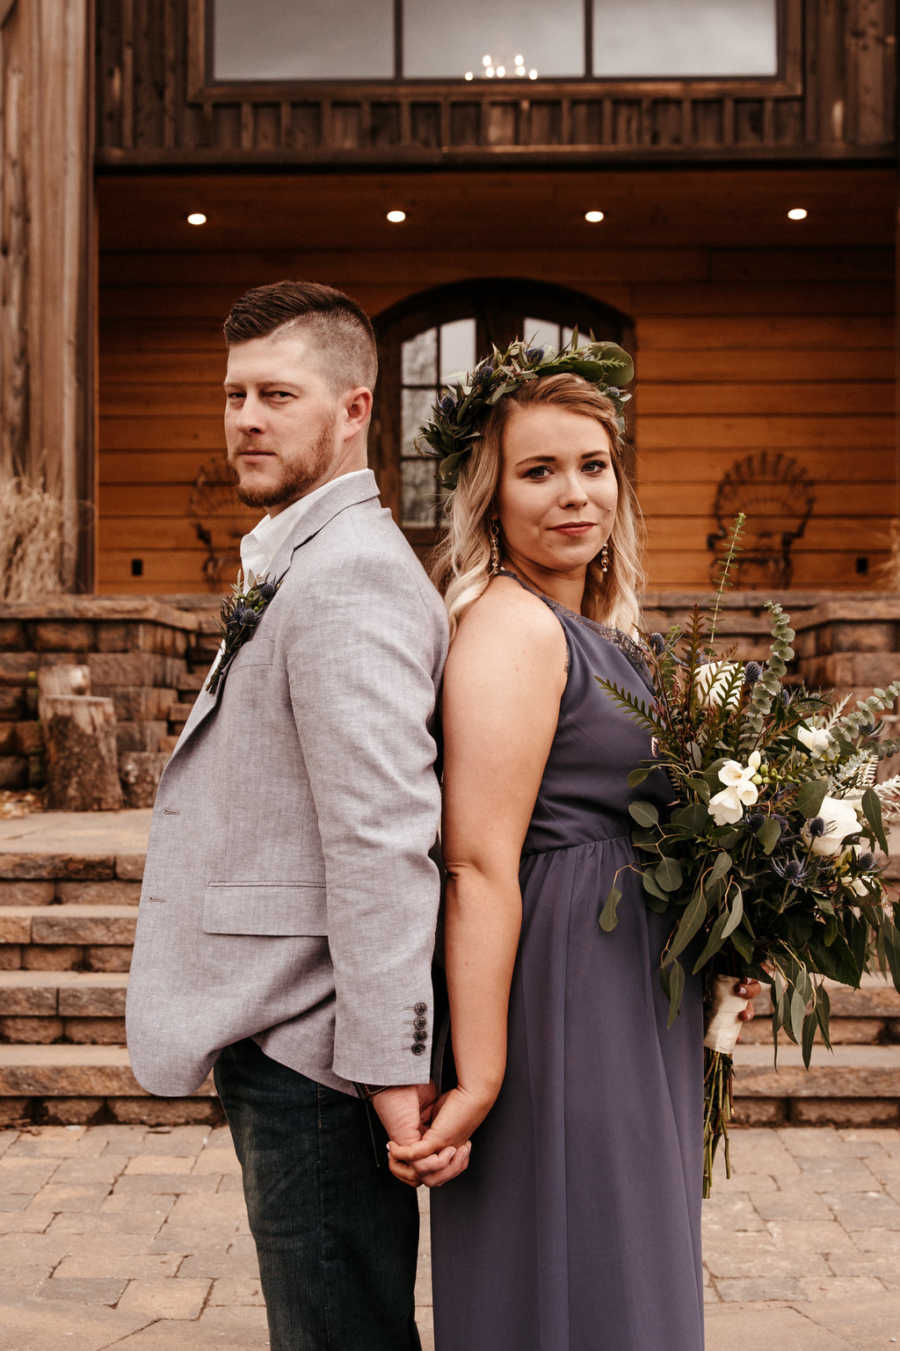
{"x":343,"y":493}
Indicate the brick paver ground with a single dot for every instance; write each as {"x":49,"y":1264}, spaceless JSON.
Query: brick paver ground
{"x":136,"y":1238}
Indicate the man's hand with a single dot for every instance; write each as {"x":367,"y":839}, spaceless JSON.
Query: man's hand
{"x":444,"y":1150}
{"x":401,"y":1111}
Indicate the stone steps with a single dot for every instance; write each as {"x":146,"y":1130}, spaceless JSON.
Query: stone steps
{"x":849,"y":1086}
{"x":67,"y":937}
{"x":867,"y":1016}
{"x":40,"y":1007}
{"x":68,"y":893}
{"x":80,"y":1084}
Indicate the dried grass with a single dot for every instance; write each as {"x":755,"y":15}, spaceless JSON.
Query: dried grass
{"x":31,"y":542}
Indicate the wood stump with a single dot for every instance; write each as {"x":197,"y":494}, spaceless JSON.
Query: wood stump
{"x":82,"y":759}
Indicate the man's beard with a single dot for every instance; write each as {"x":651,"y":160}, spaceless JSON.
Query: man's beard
{"x":297,"y":479}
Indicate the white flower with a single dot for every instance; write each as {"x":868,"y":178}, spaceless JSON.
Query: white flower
{"x":840,"y":819}
{"x":727,"y":807}
{"x":712,"y":679}
{"x":815,"y":739}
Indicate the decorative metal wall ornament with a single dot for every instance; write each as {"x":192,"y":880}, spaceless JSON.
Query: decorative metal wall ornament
{"x":776,"y":496}
{"x":214,"y":510}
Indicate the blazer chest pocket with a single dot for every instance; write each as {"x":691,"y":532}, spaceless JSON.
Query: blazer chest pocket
{"x":265,"y":908}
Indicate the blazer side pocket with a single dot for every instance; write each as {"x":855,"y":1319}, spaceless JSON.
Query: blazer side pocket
{"x":265,"y":908}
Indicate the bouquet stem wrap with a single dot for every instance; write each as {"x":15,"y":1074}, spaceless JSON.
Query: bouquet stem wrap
{"x":724,"y":1026}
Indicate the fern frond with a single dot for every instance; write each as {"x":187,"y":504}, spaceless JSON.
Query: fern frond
{"x":836,"y":712}
{"x":636,"y":707}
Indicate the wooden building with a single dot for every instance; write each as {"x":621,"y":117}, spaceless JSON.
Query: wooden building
{"x":754,"y":334}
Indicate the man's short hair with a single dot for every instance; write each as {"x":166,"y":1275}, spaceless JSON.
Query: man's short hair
{"x":342,"y":331}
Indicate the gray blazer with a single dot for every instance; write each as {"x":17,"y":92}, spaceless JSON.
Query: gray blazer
{"x":288,"y":894}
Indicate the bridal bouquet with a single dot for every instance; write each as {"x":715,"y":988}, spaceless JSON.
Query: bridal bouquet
{"x":766,"y":861}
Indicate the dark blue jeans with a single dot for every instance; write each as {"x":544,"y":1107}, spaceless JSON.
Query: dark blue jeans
{"x":336,"y":1234}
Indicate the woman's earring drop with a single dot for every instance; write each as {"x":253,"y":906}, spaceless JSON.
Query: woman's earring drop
{"x":494,"y":532}
{"x":604,"y":559}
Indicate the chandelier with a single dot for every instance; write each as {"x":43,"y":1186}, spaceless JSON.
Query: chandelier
{"x":498,"y":70}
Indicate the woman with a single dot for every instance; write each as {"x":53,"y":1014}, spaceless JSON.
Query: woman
{"x":576,"y":1223}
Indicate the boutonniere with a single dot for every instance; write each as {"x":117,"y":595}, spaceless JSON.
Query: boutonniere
{"x":240,"y":616}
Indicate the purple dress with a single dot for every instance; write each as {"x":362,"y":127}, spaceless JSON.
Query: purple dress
{"x":577,"y":1224}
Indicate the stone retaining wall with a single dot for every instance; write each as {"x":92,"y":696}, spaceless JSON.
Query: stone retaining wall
{"x":149,"y":655}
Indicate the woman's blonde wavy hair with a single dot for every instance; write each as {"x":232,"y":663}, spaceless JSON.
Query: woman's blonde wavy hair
{"x":461,"y":560}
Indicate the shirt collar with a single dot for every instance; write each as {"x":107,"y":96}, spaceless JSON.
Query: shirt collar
{"x":262,"y":544}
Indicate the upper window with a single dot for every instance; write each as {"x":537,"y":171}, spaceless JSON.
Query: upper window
{"x":508,"y":39}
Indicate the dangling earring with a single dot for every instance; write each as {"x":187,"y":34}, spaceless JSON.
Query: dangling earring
{"x":604,"y":559}
{"x":494,"y":532}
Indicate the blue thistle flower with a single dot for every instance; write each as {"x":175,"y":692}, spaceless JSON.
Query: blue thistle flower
{"x":267,"y":590}
{"x":816,"y":827}
{"x":657,"y":643}
{"x":866,"y":862}
{"x":534,"y":354}
{"x":755,"y":820}
{"x":752,"y":672}
{"x":483,"y":373}
{"x":793,"y":871}
{"x":447,"y":404}
{"x":244,"y":616}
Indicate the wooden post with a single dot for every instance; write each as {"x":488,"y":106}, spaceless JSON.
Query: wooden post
{"x":82,"y":760}
{"x":47,"y":260}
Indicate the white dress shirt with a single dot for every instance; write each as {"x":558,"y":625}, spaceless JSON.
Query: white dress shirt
{"x":260,"y":547}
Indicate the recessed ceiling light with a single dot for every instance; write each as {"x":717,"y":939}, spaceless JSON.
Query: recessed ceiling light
{"x":196,"y":218}
{"x":593,"y":216}
{"x":798,"y":213}
{"x":396,"y":217}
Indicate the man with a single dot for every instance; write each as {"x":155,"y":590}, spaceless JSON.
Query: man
{"x":288,"y":911}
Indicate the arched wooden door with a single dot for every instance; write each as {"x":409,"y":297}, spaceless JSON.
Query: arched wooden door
{"x":430,"y":337}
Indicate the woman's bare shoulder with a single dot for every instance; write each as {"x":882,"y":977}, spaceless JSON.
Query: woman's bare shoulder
{"x":507,"y":620}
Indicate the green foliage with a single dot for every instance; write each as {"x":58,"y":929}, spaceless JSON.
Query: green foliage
{"x":765,"y":862}
{"x":459,"y":414}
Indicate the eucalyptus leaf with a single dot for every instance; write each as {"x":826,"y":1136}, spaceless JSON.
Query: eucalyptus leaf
{"x":644,"y":813}
{"x":742,"y":945}
{"x":652,"y":887}
{"x":689,"y":924}
{"x":810,"y":1022}
{"x":637,"y":777}
{"x":668,"y":874}
{"x":608,"y":919}
{"x":797,"y":1013}
{"x":871,"y":805}
{"x":675,"y":991}
{"x":811,"y":796}
{"x":769,"y":834}
{"x":713,"y":943}
{"x":720,"y":867}
{"x":693,"y":818}
{"x":735,"y":913}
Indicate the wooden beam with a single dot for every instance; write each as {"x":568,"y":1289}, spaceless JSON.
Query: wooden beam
{"x":47,"y":268}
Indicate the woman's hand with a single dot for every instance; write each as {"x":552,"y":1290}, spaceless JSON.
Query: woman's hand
{"x":731,"y":1007}
{"x":444,"y":1150}
{"x":747,"y":988}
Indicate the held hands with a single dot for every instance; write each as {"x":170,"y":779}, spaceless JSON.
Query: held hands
{"x":443,"y":1146}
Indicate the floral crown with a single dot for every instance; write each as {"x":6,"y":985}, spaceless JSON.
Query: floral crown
{"x":463,"y":404}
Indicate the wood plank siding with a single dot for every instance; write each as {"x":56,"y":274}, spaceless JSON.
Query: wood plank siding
{"x":157,"y":104}
{"x":738,"y":350}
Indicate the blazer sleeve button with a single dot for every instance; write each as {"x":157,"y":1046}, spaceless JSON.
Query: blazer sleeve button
{"x":420,"y":1008}
{"x":418,"y":1048}
{"x":420,"y":1022}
